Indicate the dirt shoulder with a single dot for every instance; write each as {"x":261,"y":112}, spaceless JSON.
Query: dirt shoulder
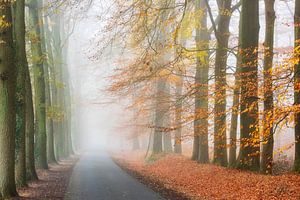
{"x":178,"y":177}
{"x":52,"y":183}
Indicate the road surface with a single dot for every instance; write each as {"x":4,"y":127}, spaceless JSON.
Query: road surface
{"x":97,"y":177}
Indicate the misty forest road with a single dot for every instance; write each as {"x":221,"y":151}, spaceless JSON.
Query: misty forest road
{"x":97,"y":177}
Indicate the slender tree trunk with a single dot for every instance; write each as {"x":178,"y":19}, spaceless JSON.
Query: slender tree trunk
{"x":7,"y":104}
{"x":39,"y":84}
{"x":167,"y":138}
{"x":178,"y":116}
{"x":250,"y":146}
{"x":29,"y":126}
{"x":200,"y":148}
{"x":68,"y":99}
{"x":234,"y":121}
{"x":58,"y":57}
{"x":136,"y":143}
{"x":268,"y":122}
{"x":49,"y":121}
{"x":234,"y":116}
{"x":162,"y":96}
{"x":297,"y":87}
{"x":179,"y":102}
{"x":53,"y":90}
{"x":21,"y":65}
{"x":220,"y":144}
{"x":235,"y":106}
{"x":29,"y":129}
{"x":159,"y":114}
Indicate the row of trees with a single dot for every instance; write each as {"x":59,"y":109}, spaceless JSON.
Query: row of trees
{"x":35,"y":99}
{"x":181,"y":56}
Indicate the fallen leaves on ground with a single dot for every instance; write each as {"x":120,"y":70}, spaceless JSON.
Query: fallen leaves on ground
{"x":52,"y":183}
{"x":207,"y":181}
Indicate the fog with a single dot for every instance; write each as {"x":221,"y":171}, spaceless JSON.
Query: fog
{"x":99,"y":120}
{"x":96,"y":115}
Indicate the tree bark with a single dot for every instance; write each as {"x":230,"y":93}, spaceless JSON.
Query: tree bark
{"x":58,"y":57}
{"x":39,"y":84}
{"x":178,"y":116}
{"x":200,"y":147}
{"x":235,"y":107}
{"x":7,"y":104}
{"x":268,"y":122}
{"x":167,"y":138}
{"x":159,"y":114}
{"x":220,"y":144}
{"x":47,"y":49}
{"x":297,"y":87}
{"x":21,"y":66}
{"x":249,"y":155}
{"x":29,"y":126}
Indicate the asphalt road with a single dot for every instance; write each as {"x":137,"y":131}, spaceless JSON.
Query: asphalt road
{"x":97,"y":177}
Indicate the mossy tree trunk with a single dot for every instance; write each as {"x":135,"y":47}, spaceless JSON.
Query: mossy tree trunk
{"x":53,"y":88}
{"x":47,"y":50}
{"x":21,"y":66}
{"x":7,"y":104}
{"x":29,"y":129}
{"x":39,"y":83}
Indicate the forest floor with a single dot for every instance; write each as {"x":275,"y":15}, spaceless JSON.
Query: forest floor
{"x":178,"y":177}
{"x":52,"y":183}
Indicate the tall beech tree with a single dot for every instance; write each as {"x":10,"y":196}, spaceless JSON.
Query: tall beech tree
{"x":47,"y":50}
{"x":222,"y":34}
{"x":235,"y":114}
{"x":297,"y":86}
{"x":39,"y":82}
{"x":22,"y":66}
{"x":59,"y":82}
{"x":268,"y":121}
{"x":7,"y":103}
{"x":162,"y":137}
{"x":200,"y":147}
{"x":249,"y":155}
{"x":29,"y":130}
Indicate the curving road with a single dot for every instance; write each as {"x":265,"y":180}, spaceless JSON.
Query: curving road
{"x":97,"y":177}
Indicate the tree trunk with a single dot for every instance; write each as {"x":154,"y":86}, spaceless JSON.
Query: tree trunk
{"x":53,"y":88}
{"x":162,"y":106}
{"x":220,"y":145}
{"x":68,"y":103}
{"x":135,"y":143}
{"x":235,"y":107}
{"x":178,"y":116}
{"x":249,"y":155}
{"x":179,"y":101}
{"x":21,"y":66}
{"x":159,"y":114}
{"x":60,"y":141}
{"x":297,"y":87}
{"x":47,"y":50}
{"x":29,"y":126}
{"x":167,"y":138}
{"x":268,"y":121}
{"x":7,"y":104}
{"x":200,"y":147}
{"x":39,"y":84}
